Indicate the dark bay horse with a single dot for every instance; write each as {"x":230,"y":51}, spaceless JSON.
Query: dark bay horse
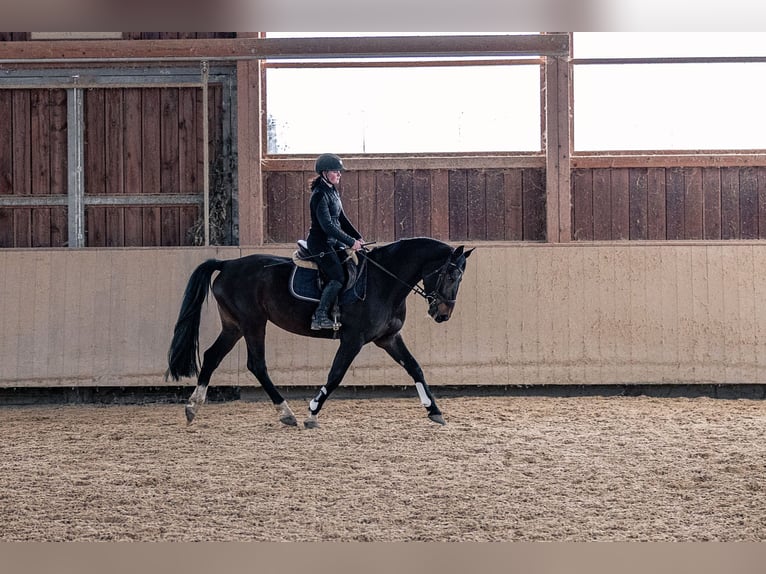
{"x":254,"y":289}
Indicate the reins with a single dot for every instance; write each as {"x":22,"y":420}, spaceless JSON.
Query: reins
{"x":430,"y":297}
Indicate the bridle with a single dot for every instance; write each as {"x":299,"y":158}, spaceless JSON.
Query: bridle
{"x":435,"y":296}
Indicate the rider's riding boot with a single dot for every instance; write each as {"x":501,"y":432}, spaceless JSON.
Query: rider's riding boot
{"x":321,"y":320}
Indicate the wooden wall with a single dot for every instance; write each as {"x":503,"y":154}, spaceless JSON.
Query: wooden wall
{"x":33,"y":161}
{"x":527,"y":314}
{"x":669,"y":203}
{"x":449,"y":204}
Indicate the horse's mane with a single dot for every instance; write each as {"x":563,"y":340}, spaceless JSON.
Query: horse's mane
{"x":403,"y":247}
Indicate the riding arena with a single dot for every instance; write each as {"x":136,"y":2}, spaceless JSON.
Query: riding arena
{"x":542,"y":346}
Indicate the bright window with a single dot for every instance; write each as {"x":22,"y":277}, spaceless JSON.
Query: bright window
{"x":669,"y":105}
{"x":403,"y":109}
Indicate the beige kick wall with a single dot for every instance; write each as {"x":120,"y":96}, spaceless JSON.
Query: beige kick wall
{"x":527,"y":314}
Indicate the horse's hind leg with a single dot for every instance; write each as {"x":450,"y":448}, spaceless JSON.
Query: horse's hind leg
{"x":210,"y":361}
{"x":398,"y":351}
{"x":256,"y":364}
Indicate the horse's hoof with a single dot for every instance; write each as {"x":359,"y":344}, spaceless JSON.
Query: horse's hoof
{"x":190,"y":414}
{"x":438,"y":419}
{"x":289,"y":420}
{"x":311,"y":423}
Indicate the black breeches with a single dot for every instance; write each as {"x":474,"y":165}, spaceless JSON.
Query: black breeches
{"x":329,"y":263}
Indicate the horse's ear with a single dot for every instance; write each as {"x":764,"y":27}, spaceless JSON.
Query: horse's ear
{"x":467,"y":253}
{"x":457,"y":252}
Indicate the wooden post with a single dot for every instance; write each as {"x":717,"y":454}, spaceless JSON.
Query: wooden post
{"x":251,"y":203}
{"x":558,"y":148}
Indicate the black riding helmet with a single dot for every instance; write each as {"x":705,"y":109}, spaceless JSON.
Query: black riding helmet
{"x":328,"y":162}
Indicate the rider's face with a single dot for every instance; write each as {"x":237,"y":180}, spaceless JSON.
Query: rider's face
{"x":333,"y":176}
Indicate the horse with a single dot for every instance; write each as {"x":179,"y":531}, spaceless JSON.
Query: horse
{"x":252,"y":290}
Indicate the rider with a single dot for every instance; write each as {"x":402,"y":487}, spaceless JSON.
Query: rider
{"x":330,"y":231}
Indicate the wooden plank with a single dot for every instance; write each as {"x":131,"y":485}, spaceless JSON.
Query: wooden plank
{"x":150,"y":142}
{"x":403,"y":223}
{"x":134,"y":229}
{"x":730,"y":203}
{"x":260,"y":48}
{"x":674,"y":191}
{"x":533,"y":201}
{"x":582,"y":204}
{"x":41,"y":227}
{"x":639,"y":203}
{"x":22,"y":227}
{"x":421,"y":203}
{"x":170,"y":218}
{"x":22,"y":144}
{"x":693,"y":203}
{"x":6,"y":147}
{"x":761,"y":176}
{"x":349,"y":194}
{"x":95,"y":226}
{"x":59,"y":226}
{"x":114,"y":178}
{"x":39,"y":110}
{"x":748,"y":203}
{"x":495,"y":204}
{"x":458,"y":205}
{"x":251,"y":193}
{"x":58,"y":138}
{"x":514,"y":211}
{"x":132,"y":137}
{"x":602,"y":204}
{"x":384,"y":193}
{"x":440,"y":220}
{"x":169,"y":148}
{"x":274,"y":186}
{"x":190,"y":179}
{"x":189,"y":215}
{"x":151,"y":179}
{"x":620,"y":204}
{"x":476,"y":200}
{"x":656,"y":209}
{"x":367,"y":206}
{"x":151,"y":227}
{"x":115,"y":226}
{"x":711,"y":197}
{"x":296,"y":197}
{"x":95,"y":143}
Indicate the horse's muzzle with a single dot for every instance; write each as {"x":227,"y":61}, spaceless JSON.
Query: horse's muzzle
{"x":440,"y":312}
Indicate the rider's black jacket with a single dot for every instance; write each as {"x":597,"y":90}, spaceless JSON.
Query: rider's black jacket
{"x":329,"y":224}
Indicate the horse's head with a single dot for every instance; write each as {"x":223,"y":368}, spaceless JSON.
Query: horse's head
{"x":442,"y":284}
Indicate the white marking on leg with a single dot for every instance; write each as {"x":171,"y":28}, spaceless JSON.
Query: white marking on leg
{"x":198,"y":396}
{"x":424,"y":400}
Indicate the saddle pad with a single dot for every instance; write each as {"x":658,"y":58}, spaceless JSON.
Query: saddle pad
{"x":304,"y":284}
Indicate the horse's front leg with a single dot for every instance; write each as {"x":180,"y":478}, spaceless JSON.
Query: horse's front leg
{"x":395,"y":347}
{"x":345,"y":355}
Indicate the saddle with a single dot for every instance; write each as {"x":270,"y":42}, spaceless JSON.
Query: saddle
{"x":307,"y":282}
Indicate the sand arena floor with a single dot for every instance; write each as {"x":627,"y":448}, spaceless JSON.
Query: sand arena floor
{"x":503,"y":469}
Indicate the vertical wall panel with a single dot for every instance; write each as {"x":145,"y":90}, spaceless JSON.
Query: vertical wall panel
{"x":514,"y":205}
{"x":458,"y":205}
{"x":582,"y":204}
{"x":693,"y":209}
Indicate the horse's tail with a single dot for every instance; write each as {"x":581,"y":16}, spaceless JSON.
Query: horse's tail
{"x":183,"y":355}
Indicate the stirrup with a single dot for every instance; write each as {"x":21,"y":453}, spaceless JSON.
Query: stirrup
{"x":323,"y":321}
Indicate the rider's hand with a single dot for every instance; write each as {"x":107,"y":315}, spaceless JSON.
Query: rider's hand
{"x":357,"y":245}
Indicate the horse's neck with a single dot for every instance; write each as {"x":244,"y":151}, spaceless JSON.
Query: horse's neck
{"x":410,"y":259}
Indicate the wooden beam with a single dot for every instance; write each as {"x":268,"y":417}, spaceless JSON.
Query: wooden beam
{"x":411,"y":161}
{"x":261,"y":48}
{"x":669,"y":159}
{"x":558,"y":150}
{"x":249,"y":173}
